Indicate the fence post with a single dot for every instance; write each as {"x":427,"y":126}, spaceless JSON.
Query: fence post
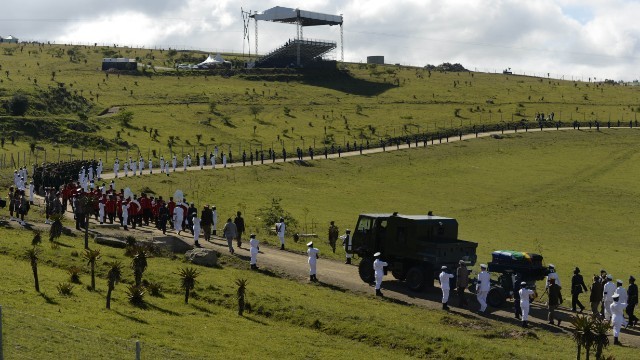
{"x":138,"y":351}
{"x":1,"y":353}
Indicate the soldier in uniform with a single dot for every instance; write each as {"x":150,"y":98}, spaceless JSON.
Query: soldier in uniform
{"x":483,"y":286}
{"x":555,"y":299}
{"x":595,"y":298}
{"x":378,"y":272}
{"x":445,"y":286}
{"x":280,"y":230}
{"x":632,"y":301}
{"x":617,"y":318}
{"x":607,"y":295}
{"x":346,"y":243}
{"x":577,"y":287}
{"x":526,"y":296}
{"x":333,"y":236}
{"x":313,"y":258}
{"x":462,"y":281}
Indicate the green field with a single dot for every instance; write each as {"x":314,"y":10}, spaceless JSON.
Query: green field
{"x":360,"y":104}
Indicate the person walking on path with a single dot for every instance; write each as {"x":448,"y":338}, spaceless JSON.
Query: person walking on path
{"x":254,"y":249}
{"x":214,"y":220}
{"x":346,"y":243}
{"x":239,"y":221}
{"x":462,"y":281}
{"x":555,"y":299}
{"x":230,"y":232}
{"x":333,"y":236}
{"x":196,"y":230}
{"x":206,"y":221}
{"x":595,"y":298}
{"x":378,"y":272}
{"x":313,"y":259}
{"x":280,"y":230}
{"x":607,"y":296}
{"x":526,"y":296}
{"x":445,"y":286}
{"x":483,"y":286}
{"x":577,"y":287}
{"x":632,"y":301}
{"x":617,"y":318}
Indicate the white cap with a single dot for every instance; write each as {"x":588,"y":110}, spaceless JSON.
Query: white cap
{"x":443,"y":267}
{"x":619,"y":281}
{"x":483,"y":266}
{"x":523,"y":283}
{"x":310,"y":243}
{"x":610,"y":277}
{"x":551,"y":266}
{"x":377,"y":254}
{"x":615,"y":296}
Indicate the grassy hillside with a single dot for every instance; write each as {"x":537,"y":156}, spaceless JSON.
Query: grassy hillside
{"x":287,"y":319}
{"x":569,"y":194}
{"x":264,"y":108}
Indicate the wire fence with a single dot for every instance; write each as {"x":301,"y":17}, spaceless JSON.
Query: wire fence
{"x":28,"y":336}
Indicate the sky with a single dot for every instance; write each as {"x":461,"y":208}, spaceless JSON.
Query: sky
{"x":567,"y":39}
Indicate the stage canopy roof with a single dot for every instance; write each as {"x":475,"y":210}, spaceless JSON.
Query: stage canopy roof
{"x":292,"y":16}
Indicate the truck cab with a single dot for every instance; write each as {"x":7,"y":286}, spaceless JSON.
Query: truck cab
{"x":415,"y":246}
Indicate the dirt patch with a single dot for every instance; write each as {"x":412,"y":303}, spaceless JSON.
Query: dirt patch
{"x":510,"y":334}
{"x":466,"y":324}
{"x":110,"y":111}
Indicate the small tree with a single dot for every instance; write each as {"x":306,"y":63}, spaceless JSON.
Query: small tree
{"x":37,"y":238}
{"x":55,"y":231}
{"x":255,"y":110}
{"x":19,"y":104}
{"x":272,"y":213}
{"x":139,"y":265}
{"x":188,"y":281}
{"x":32,"y":254}
{"x":240,"y":295}
{"x":91,"y":256}
{"x":113,"y":277}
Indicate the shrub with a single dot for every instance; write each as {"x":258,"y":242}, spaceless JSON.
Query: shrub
{"x":135,"y":294}
{"x":19,"y":104}
{"x":74,"y":274}
{"x":65,"y":289}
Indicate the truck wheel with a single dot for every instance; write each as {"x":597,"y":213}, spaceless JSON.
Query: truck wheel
{"x":496,"y":297}
{"x":399,"y":275}
{"x":365,"y":270}
{"x":415,"y":278}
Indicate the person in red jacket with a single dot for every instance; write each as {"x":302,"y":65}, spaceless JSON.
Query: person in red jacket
{"x":135,"y":211}
{"x":145,"y":203}
{"x":110,"y":206}
{"x":171,"y":205}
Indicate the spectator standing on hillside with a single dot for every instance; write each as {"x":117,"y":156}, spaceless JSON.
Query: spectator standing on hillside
{"x":462,"y":281}
{"x":313,"y":258}
{"x":280,"y":230}
{"x":483,"y":286}
{"x":595,"y":298}
{"x":445,"y":286}
{"x":230,"y":232}
{"x":333,"y":235}
{"x":577,"y":287}
{"x":239,"y":221}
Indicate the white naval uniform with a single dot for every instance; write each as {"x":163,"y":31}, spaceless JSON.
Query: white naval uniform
{"x":174,"y":163}
{"x":214,"y":218}
{"x":253,"y":250}
{"x":32,"y":190}
{"x":196,"y":229}
{"x":617,"y":317}
{"x":125,"y":214}
{"x":553,"y":275}
{"x":313,"y":259}
{"x":184,"y":164}
{"x":126,"y":169}
{"x":280,"y":229}
{"x":213,"y":162}
{"x":622,"y":292}
{"x":150,"y":166}
{"x":607,"y":298}
{"x":346,"y":243}
{"x":224,"y":160}
{"x":178,"y":214}
{"x":201,"y":162}
{"x":524,"y":302}
{"x":378,"y":271}
{"x":116,"y":168}
{"x":482,"y":288}
{"x":445,"y":286}
{"x":101,"y":206}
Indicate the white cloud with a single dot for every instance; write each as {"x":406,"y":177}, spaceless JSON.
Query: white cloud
{"x":570,"y":37}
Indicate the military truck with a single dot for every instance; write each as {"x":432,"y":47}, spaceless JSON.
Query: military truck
{"x":415,"y":246}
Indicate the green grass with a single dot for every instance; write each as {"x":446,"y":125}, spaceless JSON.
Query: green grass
{"x":321,"y":105}
{"x":568,"y":194}
{"x":287,"y":318}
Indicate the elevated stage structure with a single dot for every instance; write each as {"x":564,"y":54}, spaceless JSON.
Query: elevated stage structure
{"x":298,"y":52}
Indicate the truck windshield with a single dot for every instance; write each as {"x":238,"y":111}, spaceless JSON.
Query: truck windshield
{"x":364,"y":224}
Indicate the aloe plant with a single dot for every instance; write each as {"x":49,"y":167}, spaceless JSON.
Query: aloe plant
{"x":188,"y":281}
{"x":113,"y":276}
{"x":92,"y":256}
{"x":241,"y":295}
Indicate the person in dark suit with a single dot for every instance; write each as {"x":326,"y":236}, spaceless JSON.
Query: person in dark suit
{"x":596,"y":295}
{"x":577,"y":288}
{"x":632,"y":301}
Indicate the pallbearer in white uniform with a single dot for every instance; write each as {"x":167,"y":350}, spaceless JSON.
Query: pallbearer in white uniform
{"x":378,"y":272}
{"x":313,"y":258}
